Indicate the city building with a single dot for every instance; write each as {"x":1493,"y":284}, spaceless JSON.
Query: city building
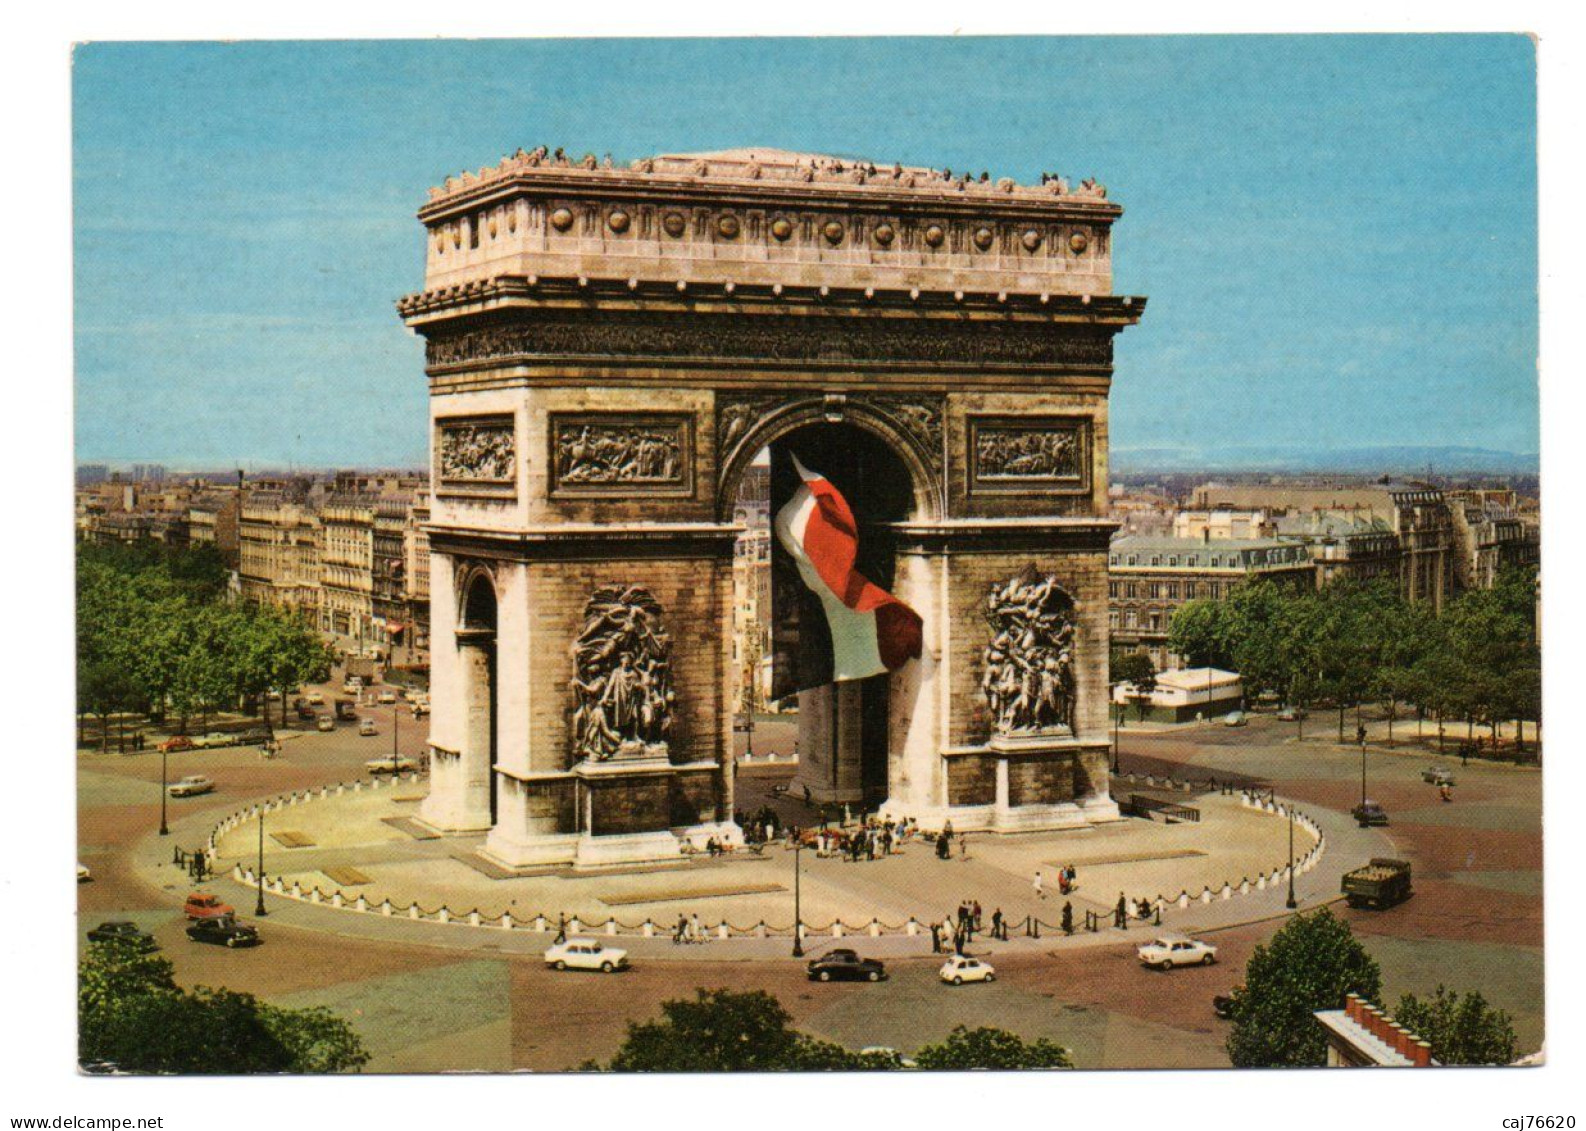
{"x":416,"y":584}
{"x":1354,"y":545}
{"x":1362,"y":1036}
{"x":213,"y":519}
{"x":1417,"y":514}
{"x":1151,"y":578}
{"x":346,"y":556}
{"x":1491,"y":535}
{"x":279,"y":553}
{"x":388,"y":598}
{"x":1182,"y":694}
{"x":1222,"y":524}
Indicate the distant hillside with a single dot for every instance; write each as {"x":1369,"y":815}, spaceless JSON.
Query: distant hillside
{"x":1350,"y":461}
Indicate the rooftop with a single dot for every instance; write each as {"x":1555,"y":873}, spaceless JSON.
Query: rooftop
{"x":750,"y":165}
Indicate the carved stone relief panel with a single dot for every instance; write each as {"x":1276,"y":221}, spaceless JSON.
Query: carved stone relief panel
{"x":1028,"y":678}
{"x":622,"y":453}
{"x":1021,"y":454}
{"x":476,"y":452}
{"x":622,"y":678}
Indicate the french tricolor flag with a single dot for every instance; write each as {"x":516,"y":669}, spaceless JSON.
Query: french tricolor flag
{"x":871,"y":630}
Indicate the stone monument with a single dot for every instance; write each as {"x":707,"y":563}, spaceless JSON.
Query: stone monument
{"x":608,"y":350}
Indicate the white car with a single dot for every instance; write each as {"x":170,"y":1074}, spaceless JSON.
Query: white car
{"x":191,"y":786}
{"x":366,"y":727}
{"x":388,"y":696}
{"x":400,"y":765}
{"x":214,"y":740}
{"x":1175,"y":950}
{"x":83,"y":874}
{"x":960,"y":968}
{"x":317,"y":698}
{"x":586,"y":954}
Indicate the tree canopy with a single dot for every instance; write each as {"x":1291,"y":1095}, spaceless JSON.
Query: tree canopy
{"x":1308,"y":965}
{"x":131,"y":1013}
{"x":728,"y":1031}
{"x":1462,"y":1029}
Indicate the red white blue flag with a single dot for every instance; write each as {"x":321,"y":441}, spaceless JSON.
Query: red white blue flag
{"x":871,"y":630}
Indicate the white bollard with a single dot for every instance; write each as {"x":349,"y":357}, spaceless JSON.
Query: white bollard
{"x":611,"y":927}
{"x":837,"y":929}
{"x":1183,"y":900}
{"x":875,"y":929}
{"x":473,"y":918}
{"x":506,"y":920}
{"x":539,"y":924}
{"x":1206,"y":895}
{"x":721,"y":930}
{"x":297,"y":890}
{"x":314,"y":896}
{"x":335,"y":899}
{"x":413,"y":911}
{"x":574,"y":926}
{"x":362,"y":904}
{"x":648,"y":929}
{"x":443,"y":915}
{"x":385,"y":907}
{"x":912,"y":928}
{"x":1228,"y":891}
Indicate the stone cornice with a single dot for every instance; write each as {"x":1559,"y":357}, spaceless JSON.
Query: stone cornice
{"x":580,"y":292}
{"x":1002,"y":535}
{"x":588,"y":541}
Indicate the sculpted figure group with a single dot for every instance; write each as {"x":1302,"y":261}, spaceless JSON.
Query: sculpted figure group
{"x":618,"y":455}
{"x":1029,"y":664}
{"x":622,"y":682}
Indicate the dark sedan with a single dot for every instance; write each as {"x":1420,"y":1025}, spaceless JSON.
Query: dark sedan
{"x":845,"y":965}
{"x":121,"y":931}
{"x":223,"y":932}
{"x":1369,"y":813}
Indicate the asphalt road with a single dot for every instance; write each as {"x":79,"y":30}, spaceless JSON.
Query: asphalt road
{"x":1475,"y":922}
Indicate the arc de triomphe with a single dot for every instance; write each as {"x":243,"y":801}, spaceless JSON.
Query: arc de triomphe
{"x":609,"y":349}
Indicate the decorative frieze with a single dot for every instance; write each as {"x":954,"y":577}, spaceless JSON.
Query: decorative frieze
{"x":622,"y":682}
{"x":1028,"y":679}
{"x":601,"y":452}
{"x":701,"y":340}
{"x":1024,"y":453}
{"x":476,"y":450}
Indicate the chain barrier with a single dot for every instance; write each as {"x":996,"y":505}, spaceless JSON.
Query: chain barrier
{"x":540,"y":923}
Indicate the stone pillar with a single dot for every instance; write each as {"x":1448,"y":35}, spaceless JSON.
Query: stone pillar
{"x":829,"y":744}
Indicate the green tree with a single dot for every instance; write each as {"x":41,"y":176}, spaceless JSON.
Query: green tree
{"x":1199,"y":633}
{"x":718,"y":1031}
{"x":986,"y":1048}
{"x":1307,"y":966}
{"x":1460,"y":1029}
{"x":316,"y":1040}
{"x":131,"y":1013}
{"x":1136,"y":669}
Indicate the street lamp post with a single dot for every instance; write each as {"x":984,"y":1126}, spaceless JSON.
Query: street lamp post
{"x":798,"y":912}
{"x":164,"y":829}
{"x":258,"y":908}
{"x":396,"y":715}
{"x":1362,"y":771}
{"x":1117,"y":720}
{"x":1291,"y":903}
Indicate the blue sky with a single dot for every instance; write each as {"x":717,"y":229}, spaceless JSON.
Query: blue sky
{"x":1337,"y":233}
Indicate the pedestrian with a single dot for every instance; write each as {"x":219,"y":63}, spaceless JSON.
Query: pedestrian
{"x":694,"y":932}
{"x":974,"y":914}
{"x":1062,"y":881}
{"x":999,"y":928}
{"x":680,"y":934}
{"x":963,"y":846}
{"x":1040,"y":890}
{"x":808,"y":800}
{"x":1121,"y":914}
{"x":561,"y":929}
{"x":1068,"y":918}
{"x":1445,"y":792}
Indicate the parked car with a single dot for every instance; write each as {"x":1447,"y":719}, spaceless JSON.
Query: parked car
{"x":223,"y":932}
{"x":420,"y":710}
{"x":316,"y":698}
{"x":366,"y":727}
{"x":1175,"y":950}
{"x":585,"y":954}
{"x":326,"y":722}
{"x":386,"y":696}
{"x":214,"y":740}
{"x":960,"y":968}
{"x":83,"y":874}
{"x":202,"y":905}
{"x":1292,"y":714}
{"x":174,"y":743}
{"x":347,"y":710}
{"x":1369,"y":813}
{"x":1438,"y":775}
{"x":307,"y":713}
{"x":352,"y":687}
{"x":124,"y":932}
{"x":191,"y":786}
{"x":400,"y":765}
{"x":845,"y":966}
{"x":1236,"y":719}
